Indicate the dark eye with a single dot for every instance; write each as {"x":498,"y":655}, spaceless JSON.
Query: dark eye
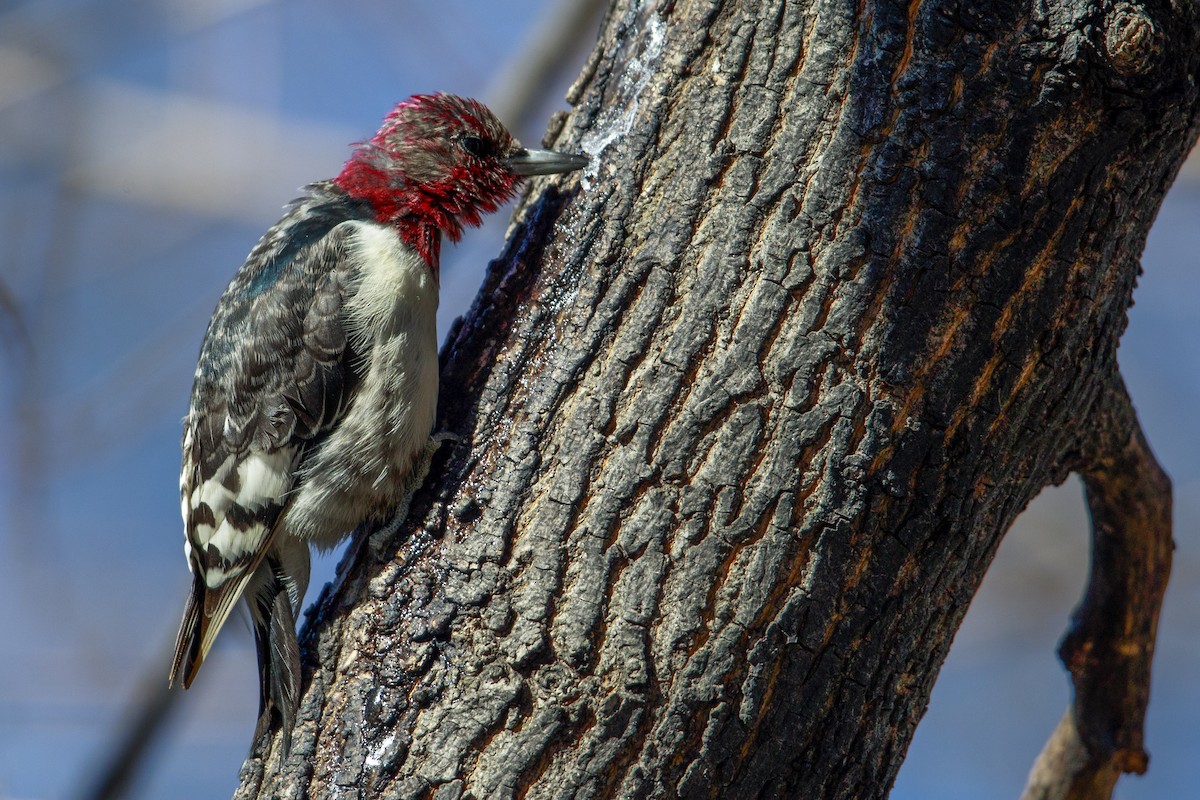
{"x":480,"y":148}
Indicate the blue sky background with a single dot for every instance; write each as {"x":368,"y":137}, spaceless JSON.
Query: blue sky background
{"x":144,"y":147}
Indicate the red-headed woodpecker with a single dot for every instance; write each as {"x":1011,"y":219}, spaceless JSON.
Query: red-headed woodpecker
{"x":315,"y":393}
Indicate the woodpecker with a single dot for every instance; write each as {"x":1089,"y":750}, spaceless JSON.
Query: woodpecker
{"x":313,"y":401}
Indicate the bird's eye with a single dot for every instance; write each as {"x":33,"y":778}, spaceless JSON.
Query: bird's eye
{"x":480,"y":148}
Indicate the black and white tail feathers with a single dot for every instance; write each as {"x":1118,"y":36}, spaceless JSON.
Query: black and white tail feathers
{"x":275,"y":595}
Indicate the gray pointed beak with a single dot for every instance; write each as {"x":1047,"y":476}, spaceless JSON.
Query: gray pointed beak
{"x":544,"y":162}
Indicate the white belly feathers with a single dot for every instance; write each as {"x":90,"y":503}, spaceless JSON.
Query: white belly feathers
{"x":360,"y":470}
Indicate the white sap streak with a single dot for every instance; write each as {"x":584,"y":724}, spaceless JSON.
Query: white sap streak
{"x":374,"y":759}
{"x":616,"y":121}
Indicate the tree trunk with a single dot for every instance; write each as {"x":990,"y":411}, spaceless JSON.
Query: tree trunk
{"x":746,"y":408}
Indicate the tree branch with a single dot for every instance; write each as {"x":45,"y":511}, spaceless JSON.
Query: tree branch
{"x":1110,"y":646}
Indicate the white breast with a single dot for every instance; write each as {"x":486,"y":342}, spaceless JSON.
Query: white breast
{"x":396,"y":291}
{"x":361,"y":469}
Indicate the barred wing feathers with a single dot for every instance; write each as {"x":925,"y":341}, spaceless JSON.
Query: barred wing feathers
{"x":276,"y":372}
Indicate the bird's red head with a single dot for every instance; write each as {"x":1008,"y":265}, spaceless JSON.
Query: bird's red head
{"x":439,"y":162}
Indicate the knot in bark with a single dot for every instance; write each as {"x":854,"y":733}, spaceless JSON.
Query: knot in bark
{"x":1131,"y":40}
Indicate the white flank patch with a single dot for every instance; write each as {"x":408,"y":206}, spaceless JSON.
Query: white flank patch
{"x":265,"y":478}
{"x":186,"y":470}
{"x":213,"y":493}
{"x":233,"y":544}
{"x":204,"y":533}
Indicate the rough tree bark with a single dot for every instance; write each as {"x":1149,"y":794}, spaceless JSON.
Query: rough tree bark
{"x":746,"y":409}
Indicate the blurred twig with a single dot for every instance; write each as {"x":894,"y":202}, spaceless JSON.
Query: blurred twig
{"x":13,"y":332}
{"x":145,"y":715}
{"x":545,"y":53}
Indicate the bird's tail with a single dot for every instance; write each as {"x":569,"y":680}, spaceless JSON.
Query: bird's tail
{"x":274,"y":598}
{"x":187,"y":642}
{"x":205,"y":613}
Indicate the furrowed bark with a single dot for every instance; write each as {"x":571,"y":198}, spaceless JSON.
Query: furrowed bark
{"x":747,"y":406}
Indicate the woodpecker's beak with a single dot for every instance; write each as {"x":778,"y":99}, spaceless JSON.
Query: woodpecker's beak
{"x":544,"y":162}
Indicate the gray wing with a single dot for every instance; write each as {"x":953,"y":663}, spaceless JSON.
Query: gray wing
{"x":276,"y":371}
